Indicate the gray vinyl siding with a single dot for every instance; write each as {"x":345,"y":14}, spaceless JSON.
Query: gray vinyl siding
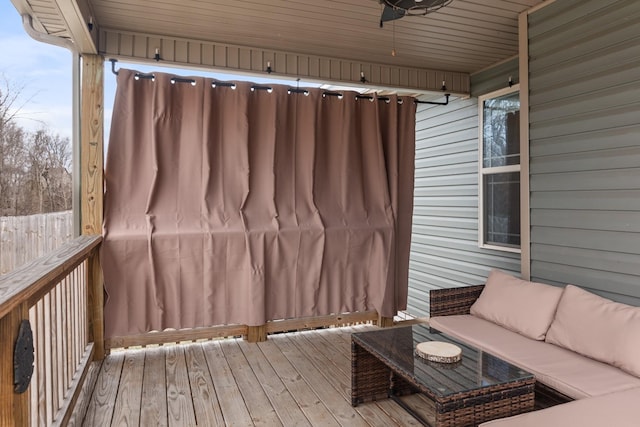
{"x":444,"y":245}
{"x":585,"y":146}
{"x":494,"y":78}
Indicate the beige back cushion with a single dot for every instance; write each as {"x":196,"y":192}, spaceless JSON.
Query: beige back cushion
{"x":520,"y":306}
{"x":598,"y":328}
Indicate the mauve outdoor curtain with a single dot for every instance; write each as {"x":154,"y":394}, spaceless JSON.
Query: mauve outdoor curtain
{"x":237,"y":206}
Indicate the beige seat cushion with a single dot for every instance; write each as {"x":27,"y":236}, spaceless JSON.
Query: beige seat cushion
{"x":598,"y":328}
{"x":568,"y":372}
{"x":521,"y":306}
{"x":611,"y":410}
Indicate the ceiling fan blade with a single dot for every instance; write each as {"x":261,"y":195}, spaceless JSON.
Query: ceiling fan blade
{"x":389,"y":14}
{"x":396,"y":9}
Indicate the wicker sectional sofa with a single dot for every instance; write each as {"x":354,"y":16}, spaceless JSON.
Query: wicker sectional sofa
{"x":584,"y":350}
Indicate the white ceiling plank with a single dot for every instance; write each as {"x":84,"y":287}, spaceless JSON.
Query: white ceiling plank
{"x":465,"y":36}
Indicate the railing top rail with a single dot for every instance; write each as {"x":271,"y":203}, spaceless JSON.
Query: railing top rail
{"x":34,"y":277}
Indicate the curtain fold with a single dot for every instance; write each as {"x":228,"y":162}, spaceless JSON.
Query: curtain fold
{"x":231,"y":205}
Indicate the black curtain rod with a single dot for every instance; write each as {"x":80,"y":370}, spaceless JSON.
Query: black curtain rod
{"x":216,"y":83}
{"x":258,"y":87}
{"x":139,"y":76}
{"x":182,"y":80}
{"x":297,"y":90}
{"x":446,"y":101}
{"x":291,"y":90}
{"x":113,"y":66}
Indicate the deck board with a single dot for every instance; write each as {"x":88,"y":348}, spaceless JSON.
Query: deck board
{"x":205,"y":400}
{"x":293,"y":379}
{"x":261,"y":410}
{"x":179,"y":403}
{"x":330,"y":356}
{"x":337,"y":404}
{"x":304,"y":395}
{"x":283,"y":403}
{"x":153,"y":410}
{"x":127,"y":407}
{"x":103,"y":399}
{"x":231,"y":401}
{"x":84,"y":397}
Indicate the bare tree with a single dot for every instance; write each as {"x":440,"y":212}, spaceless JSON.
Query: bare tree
{"x":12,"y":155}
{"x":49,"y":179}
{"x":13,"y":170}
{"x":34,"y":167}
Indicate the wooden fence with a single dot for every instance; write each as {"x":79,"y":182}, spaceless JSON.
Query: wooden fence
{"x":25,"y":238}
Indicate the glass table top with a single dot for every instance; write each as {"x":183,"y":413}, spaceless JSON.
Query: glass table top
{"x":477,"y":368}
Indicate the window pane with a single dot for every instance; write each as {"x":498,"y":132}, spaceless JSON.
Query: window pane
{"x":502,"y":209}
{"x":501,"y":131}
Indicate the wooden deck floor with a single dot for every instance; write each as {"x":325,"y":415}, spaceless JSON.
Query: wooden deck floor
{"x":296,"y":379}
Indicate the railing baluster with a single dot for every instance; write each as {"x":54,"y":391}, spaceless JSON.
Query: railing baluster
{"x":84,"y":320}
{"x":56,"y":336}
{"x":33,"y":388}
{"x":70,"y":348}
{"x":60,"y":344}
{"x":65,"y":323}
{"x":47,"y":358}
{"x":42,"y":383}
{"x":52,"y":293}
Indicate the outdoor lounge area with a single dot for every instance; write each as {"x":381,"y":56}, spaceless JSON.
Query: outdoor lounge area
{"x":258,"y":252}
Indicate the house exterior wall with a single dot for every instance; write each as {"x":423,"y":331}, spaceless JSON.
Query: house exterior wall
{"x":444,"y":246}
{"x":494,"y":78}
{"x":584,"y":67}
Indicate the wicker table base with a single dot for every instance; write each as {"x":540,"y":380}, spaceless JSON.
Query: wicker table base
{"x":375,"y":375}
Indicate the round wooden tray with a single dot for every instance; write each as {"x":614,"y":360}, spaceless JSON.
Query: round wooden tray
{"x":437,"y":351}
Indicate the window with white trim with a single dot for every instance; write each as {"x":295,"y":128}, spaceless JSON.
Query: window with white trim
{"x":499,"y":170}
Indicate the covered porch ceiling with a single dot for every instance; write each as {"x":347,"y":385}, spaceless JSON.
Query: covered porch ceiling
{"x":331,"y":41}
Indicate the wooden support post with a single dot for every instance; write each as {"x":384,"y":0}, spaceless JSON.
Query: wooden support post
{"x":95,"y":305}
{"x":385,"y":322}
{"x":92,"y":144}
{"x":14,"y":408}
{"x":92,"y":186}
{"x":256,"y":333}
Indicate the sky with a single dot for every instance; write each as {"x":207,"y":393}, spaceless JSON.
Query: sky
{"x":42,"y":74}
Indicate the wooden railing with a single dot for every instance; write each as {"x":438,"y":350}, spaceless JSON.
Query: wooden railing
{"x":61,"y":296}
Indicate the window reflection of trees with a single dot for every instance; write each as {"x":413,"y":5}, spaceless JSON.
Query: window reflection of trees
{"x":501,"y":187}
{"x":501,"y":131}
{"x":502,"y":209}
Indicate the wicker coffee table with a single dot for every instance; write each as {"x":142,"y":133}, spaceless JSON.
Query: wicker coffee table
{"x":479,"y":388}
